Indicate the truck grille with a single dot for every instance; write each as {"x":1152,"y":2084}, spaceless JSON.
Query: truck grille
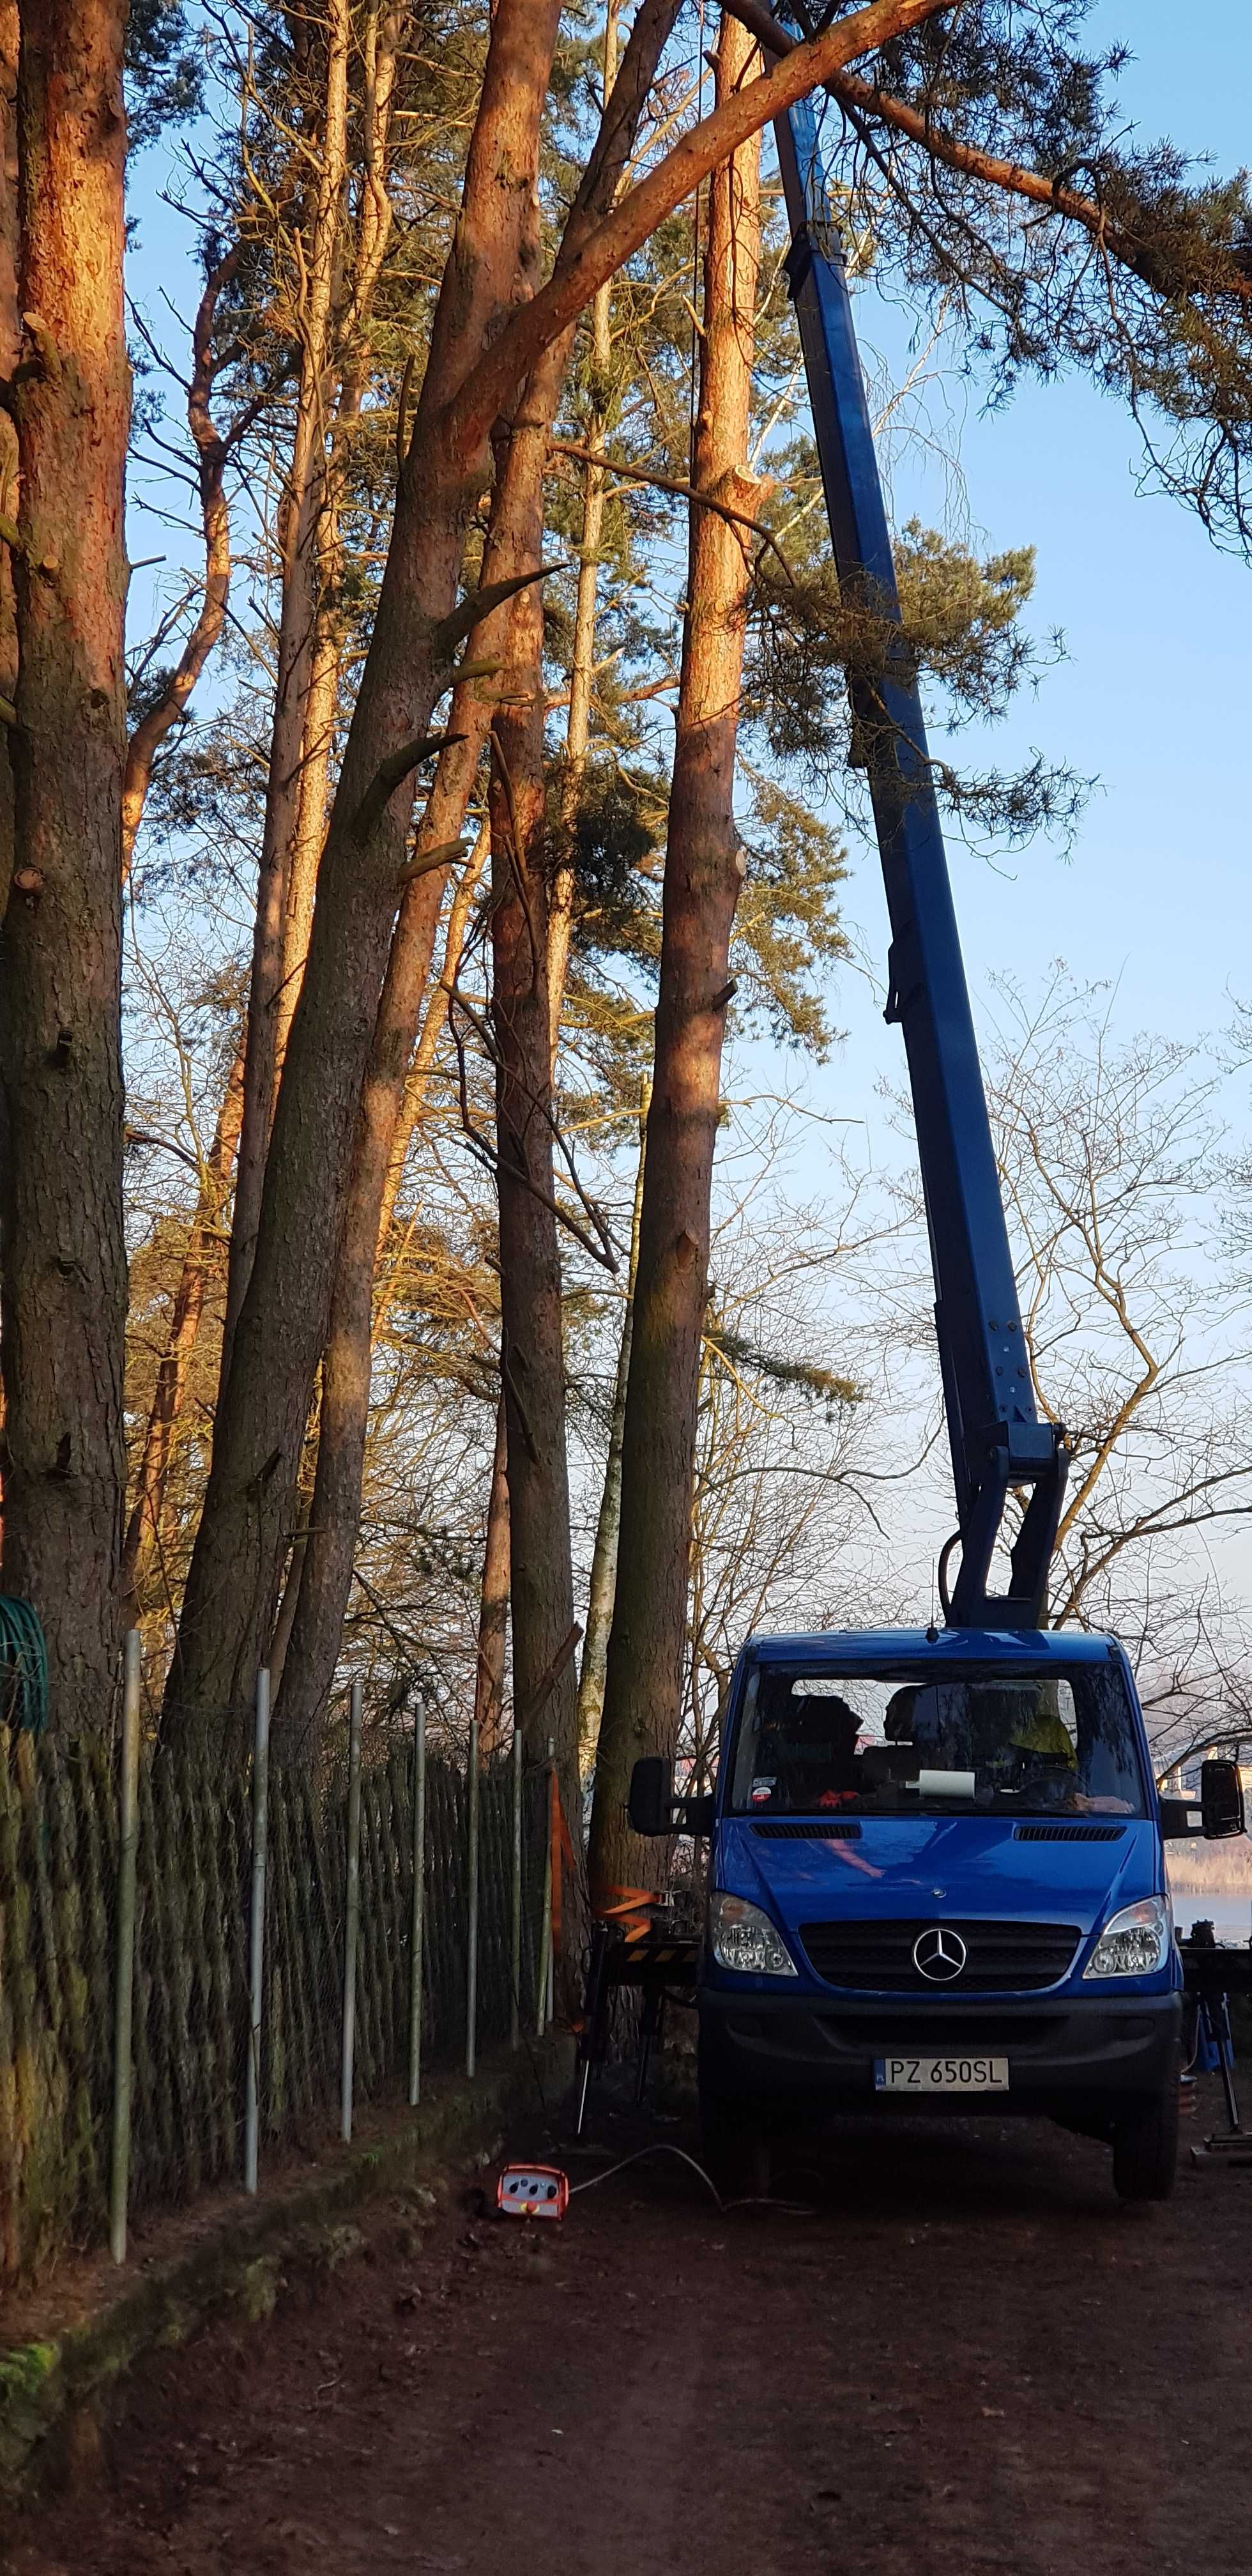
{"x":1002,"y":1958}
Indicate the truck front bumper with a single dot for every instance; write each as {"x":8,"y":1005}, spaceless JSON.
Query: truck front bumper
{"x":1068,"y":2058}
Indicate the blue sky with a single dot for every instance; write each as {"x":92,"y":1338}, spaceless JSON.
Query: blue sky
{"x":1154,"y":700}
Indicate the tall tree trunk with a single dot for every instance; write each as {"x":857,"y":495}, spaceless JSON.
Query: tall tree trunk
{"x":643,"y":1689}
{"x":147,"y":1527}
{"x":229,"y":1601}
{"x":326,"y":1575}
{"x":10,"y":351}
{"x":381,"y":38}
{"x":480,"y":350}
{"x":300,"y":890}
{"x":493,"y":1610}
{"x":532,"y":1352}
{"x":299,"y":536}
{"x":512,"y":545}
{"x":582,"y":663}
{"x":603,"y":1584}
{"x":434,"y":1022}
{"x":62,"y":1250}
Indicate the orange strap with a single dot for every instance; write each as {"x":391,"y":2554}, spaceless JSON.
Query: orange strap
{"x":628,"y":1907}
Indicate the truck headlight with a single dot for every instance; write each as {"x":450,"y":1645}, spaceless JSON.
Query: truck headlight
{"x":743,"y":1938}
{"x":1134,"y":1943}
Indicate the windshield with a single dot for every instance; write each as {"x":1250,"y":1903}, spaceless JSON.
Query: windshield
{"x":809,"y":1740}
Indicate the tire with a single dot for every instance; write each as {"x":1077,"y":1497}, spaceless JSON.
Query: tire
{"x":736,"y":2146}
{"x":1145,"y":2150}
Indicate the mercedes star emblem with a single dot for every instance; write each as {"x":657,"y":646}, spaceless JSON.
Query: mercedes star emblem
{"x":939,"y":1954}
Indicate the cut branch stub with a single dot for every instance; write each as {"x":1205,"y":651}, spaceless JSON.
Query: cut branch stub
{"x":388,"y":776}
{"x":452,"y":630}
{"x":441,"y":856}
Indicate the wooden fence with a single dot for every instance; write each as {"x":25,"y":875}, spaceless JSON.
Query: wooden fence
{"x":59,"y":1843}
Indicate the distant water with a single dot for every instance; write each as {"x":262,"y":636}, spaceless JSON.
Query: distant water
{"x":1230,"y":1915}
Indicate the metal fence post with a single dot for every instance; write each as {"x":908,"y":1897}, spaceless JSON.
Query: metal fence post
{"x":515,"y":1909}
{"x":124,"y":1974}
{"x":256,"y":1925}
{"x":418,"y":1923}
{"x":353,"y":1914}
{"x":471,"y":1936}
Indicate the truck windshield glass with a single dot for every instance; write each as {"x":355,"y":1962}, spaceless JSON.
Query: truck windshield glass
{"x":1063,"y":1743}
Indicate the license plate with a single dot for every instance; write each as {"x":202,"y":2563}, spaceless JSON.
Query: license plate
{"x":941,"y":2074}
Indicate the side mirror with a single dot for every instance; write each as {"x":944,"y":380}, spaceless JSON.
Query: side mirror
{"x":653,"y":1808}
{"x":651,"y":1802}
{"x":1221,"y":1800}
{"x":1179,"y":1819}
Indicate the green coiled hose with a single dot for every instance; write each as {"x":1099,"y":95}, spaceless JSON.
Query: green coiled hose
{"x":23,"y":1667}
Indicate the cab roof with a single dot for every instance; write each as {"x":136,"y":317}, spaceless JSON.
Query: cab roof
{"x":838,"y":1649}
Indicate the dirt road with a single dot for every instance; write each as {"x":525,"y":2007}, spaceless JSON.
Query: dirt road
{"x":966,"y":2358}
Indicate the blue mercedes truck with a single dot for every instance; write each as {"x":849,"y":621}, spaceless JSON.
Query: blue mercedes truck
{"x":937,"y":1880}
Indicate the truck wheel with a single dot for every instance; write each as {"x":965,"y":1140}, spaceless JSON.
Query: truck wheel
{"x":1145,"y":2150}
{"x":736,"y":2147}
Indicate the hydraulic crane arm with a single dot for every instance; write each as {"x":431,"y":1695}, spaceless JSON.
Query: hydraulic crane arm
{"x":998,"y":1441}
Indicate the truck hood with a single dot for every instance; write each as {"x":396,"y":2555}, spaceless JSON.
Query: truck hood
{"x":934,"y":1866}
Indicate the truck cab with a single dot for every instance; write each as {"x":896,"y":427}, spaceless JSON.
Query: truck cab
{"x":937,"y":1878}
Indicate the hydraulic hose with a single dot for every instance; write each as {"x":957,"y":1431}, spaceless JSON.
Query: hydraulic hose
{"x":23,"y":1667}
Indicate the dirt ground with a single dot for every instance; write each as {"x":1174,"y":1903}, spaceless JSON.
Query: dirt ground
{"x":956,"y":2354}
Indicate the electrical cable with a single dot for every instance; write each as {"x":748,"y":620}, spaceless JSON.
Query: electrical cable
{"x":24,"y":1660}
{"x":758,"y":2200}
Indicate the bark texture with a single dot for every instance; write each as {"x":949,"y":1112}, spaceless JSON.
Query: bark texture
{"x":10,"y":350}
{"x":532,"y":1355}
{"x":582,"y":660}
{"x":146,"y":1528}
{"x":493,"y":1610}
{"x":234,"y":1573}
{"x":603,"y":1584}
{"x":390,"y":1100}
{"x":300,"y":526}
{"x":643,"y":1687}
{"x":62,"y":1253}
{"x":479,"y":353}
{"x":512,"y":546}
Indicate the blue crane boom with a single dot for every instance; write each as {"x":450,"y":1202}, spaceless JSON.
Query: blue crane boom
{"x":997,"y":1439}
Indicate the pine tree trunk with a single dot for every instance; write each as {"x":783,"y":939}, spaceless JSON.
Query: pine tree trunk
{"x":582,"y":660}
{"x":603,"y":1584}
{"x":493,"y":1611}
{"x":234,"y":1573}
{"x":643,"y":1689}
{"x":381,"y":38}
{"x":232,"y":1584}
{"x":309,"y":834}
{"x":10,"y":351}
{"x":63,"y":1281}
{"x":300,"y":530}
{"x":532,"y":1353}
{"x":146,"y":1529}
{"x":433,"y":1025}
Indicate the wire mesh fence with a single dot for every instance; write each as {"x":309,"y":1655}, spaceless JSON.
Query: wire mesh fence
{"x":192,"y":2031}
